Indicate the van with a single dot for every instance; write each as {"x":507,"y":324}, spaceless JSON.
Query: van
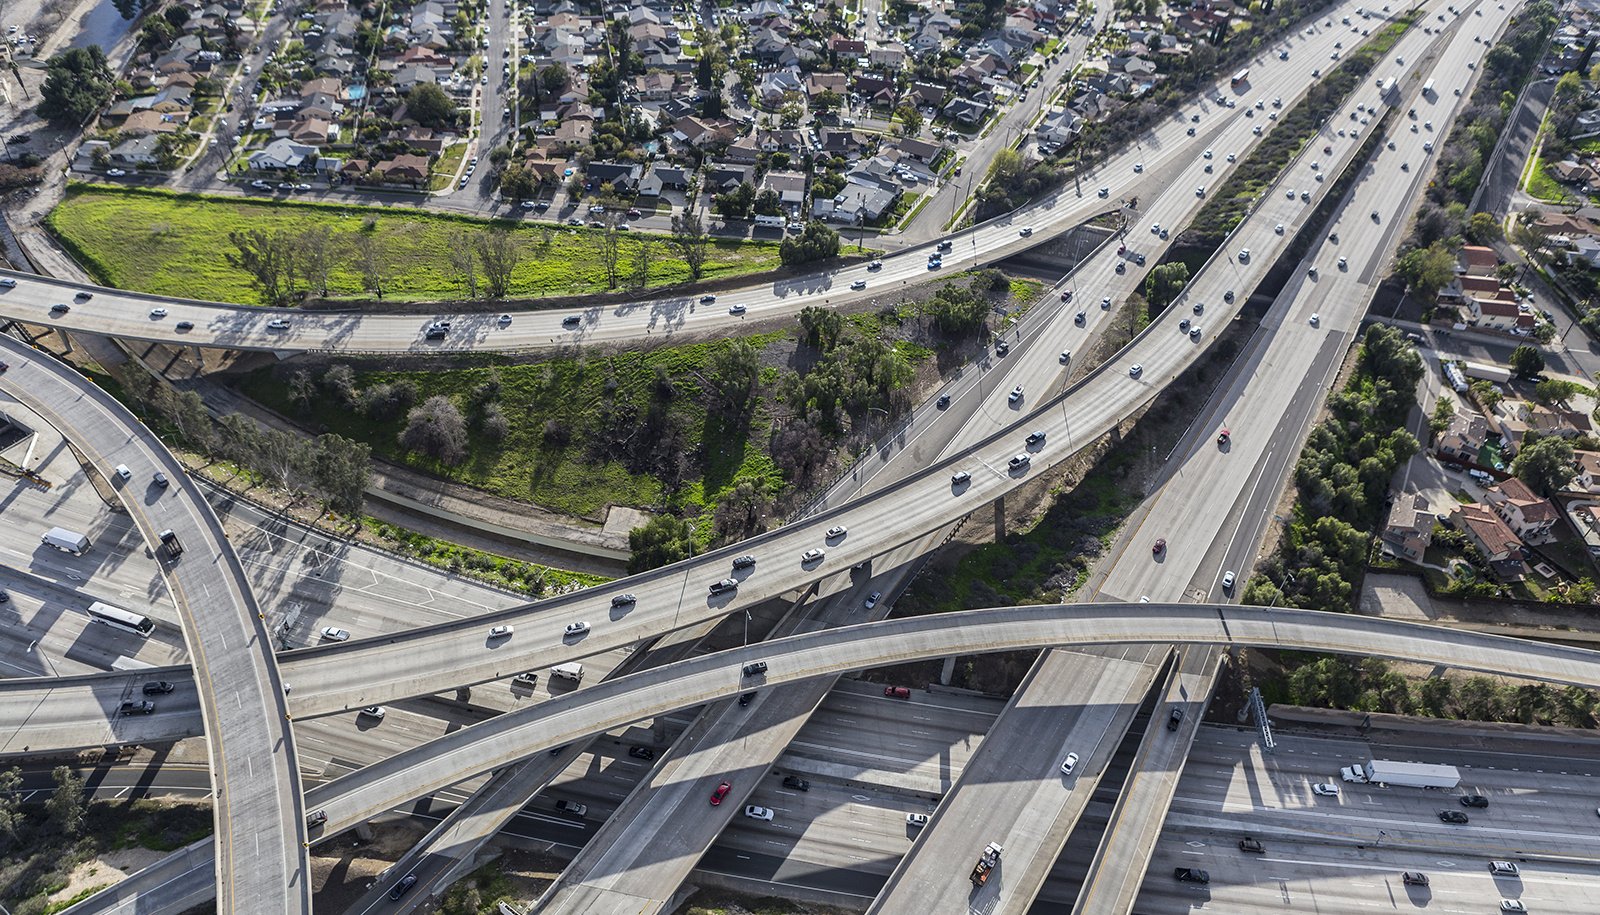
{"x":572,"y":670}
{"x":66,"y":541}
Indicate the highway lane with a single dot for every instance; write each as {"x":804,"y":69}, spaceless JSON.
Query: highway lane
{"x":604,"y":706}
{"x":261,"y":865}
{"x":1210,"y":503}
{"x":123,"y":314}
{"x":1106,"y":396}
{"x":1207,"y":502}
{"x":1327,"y":854}
{"x":1173,"y":207}
{"x":998,"y":797}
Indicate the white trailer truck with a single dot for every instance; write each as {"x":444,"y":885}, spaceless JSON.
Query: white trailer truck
{"x":1402,"y":774}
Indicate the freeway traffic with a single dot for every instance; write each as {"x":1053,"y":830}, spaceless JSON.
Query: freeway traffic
{"x":128,"y":315}
{"x":461,"y":754}
{"x":262,"y":863}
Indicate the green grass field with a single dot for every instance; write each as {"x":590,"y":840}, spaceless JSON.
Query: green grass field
{"x":158,"y":242}
{"x":594,"y":400}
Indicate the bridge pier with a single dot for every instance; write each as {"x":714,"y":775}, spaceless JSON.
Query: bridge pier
{"x":999,"y":518}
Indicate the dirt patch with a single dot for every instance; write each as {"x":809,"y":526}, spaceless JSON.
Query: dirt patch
{"x":344,"y":869}
{"x":104,"y":870}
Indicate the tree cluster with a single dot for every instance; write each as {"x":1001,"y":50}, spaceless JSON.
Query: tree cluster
{"x":1343,"y":476}
{"x":78,"y":82}
{"x":816,"y":242}
{"x":1371,"y":685}
{"x":286,"y":265}
{"x":331,"y":467}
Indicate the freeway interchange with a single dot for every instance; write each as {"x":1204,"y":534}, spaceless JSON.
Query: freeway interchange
{"x":900,"y":510}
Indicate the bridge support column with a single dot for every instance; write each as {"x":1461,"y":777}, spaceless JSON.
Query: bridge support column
{"x":999,"y":518}
{"x":947,"y":671}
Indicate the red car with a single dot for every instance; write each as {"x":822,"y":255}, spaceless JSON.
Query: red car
{"x":1159,"y":547}
{"x":1223,"y":437}
{"x":897,"y":692}
{"x":720,"y":793}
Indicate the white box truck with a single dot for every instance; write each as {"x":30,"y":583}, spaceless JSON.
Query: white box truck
{"x":1402,"y":774}
{"x":571,"y":670}
{"x":1499,"y":374}
{"x":66,"y":541}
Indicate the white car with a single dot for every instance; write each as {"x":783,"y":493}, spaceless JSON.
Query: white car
{"x":1512,"y":905}
{"x":578,"y":628}
{"x":157,"y":313}
{"x":1138,"y":167}
{"x":1016,"y":394}
{"x":1025,"y":231}
{"x":838,"y":530}
{"x":811,"y":555}
{"x":335,"y":634}
{"x":872,"y":599}
{"x":1135,"y":370}
{"x":736,"y":309}
{"x":1068,"y":764}
{"x":859,"y":284}
{"x":1325,"y":790}
{"x":115,"y":172}
{"x":1207,"y":153}
{"x":501,"y":632}
{"x":758,"y":813}
{"x":374,"y":711}
{"x":1316,"y":319}
{"x":1231,"y":157}
{"x":918,"y":820}
{"x":875,"y":265}
{"x":278,"y":324}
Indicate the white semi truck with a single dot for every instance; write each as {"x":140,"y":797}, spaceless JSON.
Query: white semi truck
{"x":1402,"y":774}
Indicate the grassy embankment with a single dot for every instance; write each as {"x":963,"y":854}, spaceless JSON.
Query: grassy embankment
{"x":171,"y":244}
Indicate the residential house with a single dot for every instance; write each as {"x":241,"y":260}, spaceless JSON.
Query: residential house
{"x":661,"y":178}
{"x":141,"y":123}
{"x":839,"y":142}
{"x":790,"y":187}
{"x":1058,"y":128}
{"x":571,"y":134}
{"x":743,"y":150}
{"x":780,"y":86}
{"x":722,"y":177}
{"x":411,"y":76}
{"x":1588,"y":478}
{"x":847,"y":47}
{"x":1528,"y":515}
{"x":1575,"y":174}
{"x":282,"y":155}
{"x":1477,"y":260}
{"x":887,"y":57}
{"x":920,"y":150}
{"x":622,"y":176}
{"x":1461,"y":440}
{"x":407,"y":168}
{"x":818,"y":83}
{"x":1494,"y":538}
{"x":1409,"y":529}
{"x":926,"y":96}
{"x":856,"y":204}
{"x":655,"y":86}
{"x":966,"y":110}
{"x":138,"y":151}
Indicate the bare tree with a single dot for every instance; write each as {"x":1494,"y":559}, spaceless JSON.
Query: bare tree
{"x":610,"y":253}
{"x":314,"y":256}
{"x":436,"y":428}
{"x":372,"y":260}
{"x":641,"y":264}
{"x":269,"y":259}
{"x":692,"y":242}
{"x":463,"y":263}
{"x":499,"y":254}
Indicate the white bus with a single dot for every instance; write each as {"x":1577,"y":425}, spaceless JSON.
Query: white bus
{"x":120,"y":619}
